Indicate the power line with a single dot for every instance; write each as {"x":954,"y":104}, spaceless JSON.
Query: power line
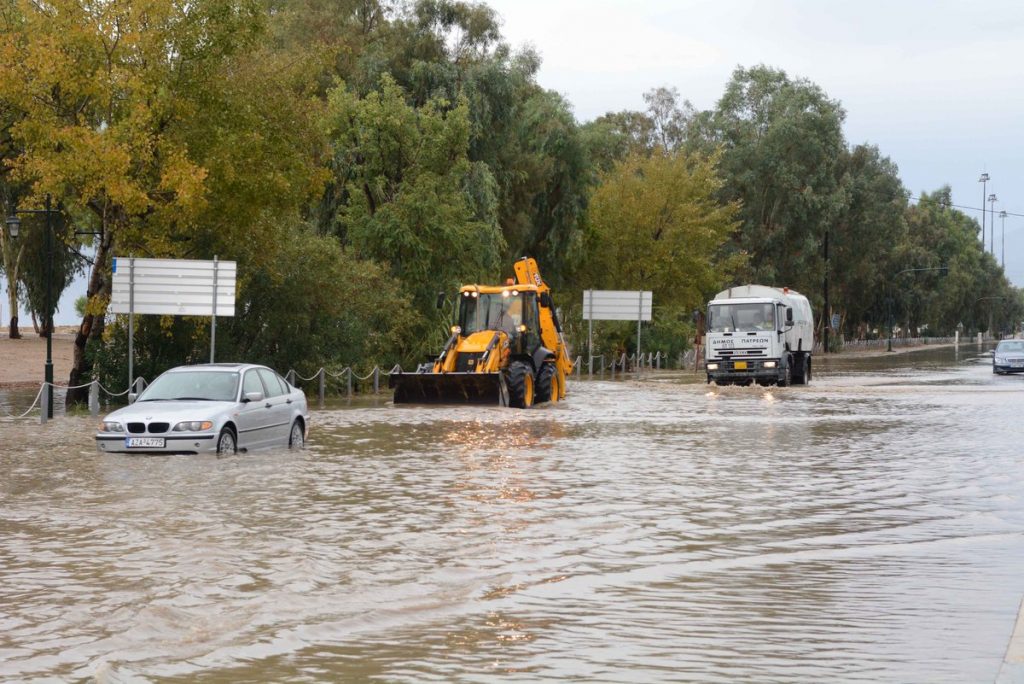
{"x":964,"y":206}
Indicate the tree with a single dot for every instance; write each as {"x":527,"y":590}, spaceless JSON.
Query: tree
{"x":781,"y":141}
{"x":405,"y":203}
{"x":871,"y":221}
{"x":159,"y":125}
{"x":656,"y":224}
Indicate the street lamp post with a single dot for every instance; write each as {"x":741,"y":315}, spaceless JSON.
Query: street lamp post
{"x":1002,"y":239}
{"x":983,"y":180}
{"x":898,"y":274}
{"x":14,"y":227}
{"x":992,"y":206}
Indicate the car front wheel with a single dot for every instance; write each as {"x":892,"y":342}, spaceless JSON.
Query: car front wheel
{"x":226,"y":442}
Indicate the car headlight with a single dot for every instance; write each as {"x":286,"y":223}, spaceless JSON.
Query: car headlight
{"x":712,"y":366}
{"x":111,"y":426}
{"x":1000,"y":360}
{"x":769,"y":364}
{"x":193,"y":426}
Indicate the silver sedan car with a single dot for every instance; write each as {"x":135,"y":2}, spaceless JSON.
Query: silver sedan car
{"x":1008,"y":357}
{"x":217,"y":408}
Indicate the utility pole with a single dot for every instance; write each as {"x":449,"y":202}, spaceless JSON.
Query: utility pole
{"x":983,"y":180}
{"x":992,"y":207}
{"x":828,"y":309}
{"x":1002,"y":238}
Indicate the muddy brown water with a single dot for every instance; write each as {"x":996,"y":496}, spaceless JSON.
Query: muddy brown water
{"x":868,"y":527}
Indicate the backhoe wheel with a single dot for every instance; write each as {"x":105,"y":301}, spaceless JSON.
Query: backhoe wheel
{"x":547,"y":385}
{"x":520,"y":385}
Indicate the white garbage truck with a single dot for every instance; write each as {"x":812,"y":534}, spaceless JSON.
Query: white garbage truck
{"x":761,"y":334}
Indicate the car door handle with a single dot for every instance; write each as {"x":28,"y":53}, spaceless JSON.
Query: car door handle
{"x":268,"y":405}
{"x":289,"y":401}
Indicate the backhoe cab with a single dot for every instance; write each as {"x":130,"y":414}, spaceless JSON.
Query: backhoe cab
{"x":506,"y":348}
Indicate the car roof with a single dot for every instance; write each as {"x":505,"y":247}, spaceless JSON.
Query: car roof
{"x":216,"y":367}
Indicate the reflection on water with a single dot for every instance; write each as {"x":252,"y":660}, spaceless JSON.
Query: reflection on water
{"x":868,"y":527}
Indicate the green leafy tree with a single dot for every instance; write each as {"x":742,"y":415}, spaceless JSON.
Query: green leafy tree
{"x":161,"y":126}
{"x":656,"y":223}
{"x":781,"y":141}
{"x":405,"y":174}
{"x":862,"y":237}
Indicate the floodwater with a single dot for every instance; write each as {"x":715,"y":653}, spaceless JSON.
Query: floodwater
{"x":869,"y":527}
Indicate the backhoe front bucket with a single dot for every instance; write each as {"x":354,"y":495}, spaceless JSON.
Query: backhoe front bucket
{"x":450,"y":388}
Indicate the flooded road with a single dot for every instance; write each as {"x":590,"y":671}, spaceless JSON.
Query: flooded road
{"x":869,"y":527}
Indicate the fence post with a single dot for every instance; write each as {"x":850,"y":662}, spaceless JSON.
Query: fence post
{"x":290,"y":377}
{"x":376,"y":379}
{"x":349,"y":384}
{"x":94,"y":398}
{"x":614,"y":361}
{"x":322,"y":390}
{"x":44,"y":404}
{"x":657,"y":360}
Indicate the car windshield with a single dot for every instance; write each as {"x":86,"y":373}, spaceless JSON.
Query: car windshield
{"x":741,"y":317}
{"x":493,"y":312}
{"x":195,"y":385}
{"x":1010,"y":346}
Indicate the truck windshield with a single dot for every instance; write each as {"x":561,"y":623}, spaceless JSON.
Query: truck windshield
{"x":494,"y":312}
{"x":741,"y":317}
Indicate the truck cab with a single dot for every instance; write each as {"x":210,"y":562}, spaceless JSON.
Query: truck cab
{"x":761,"y":334}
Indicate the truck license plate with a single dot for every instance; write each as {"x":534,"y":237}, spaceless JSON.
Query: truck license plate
{"x":144,"y":442}
{"x":740,"y":365}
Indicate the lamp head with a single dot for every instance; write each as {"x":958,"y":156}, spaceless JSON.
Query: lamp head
{"x":984,"y":178}
{"x":992,"y":197}
{"x":13,"y":225}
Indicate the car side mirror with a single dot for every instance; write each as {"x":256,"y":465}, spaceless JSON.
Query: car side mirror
{"x":253,"y":396}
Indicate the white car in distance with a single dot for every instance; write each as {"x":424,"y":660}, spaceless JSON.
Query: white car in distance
{"x":216,"y":408}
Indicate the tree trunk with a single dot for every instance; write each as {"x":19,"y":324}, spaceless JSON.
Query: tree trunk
{"x":92,"y":324}
{"x":12,"y":294}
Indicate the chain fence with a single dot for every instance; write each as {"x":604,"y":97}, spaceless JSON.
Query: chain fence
{"x":348,"y":381}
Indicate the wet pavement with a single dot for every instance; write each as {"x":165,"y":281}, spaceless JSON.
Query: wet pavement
{"x":868,"y":527}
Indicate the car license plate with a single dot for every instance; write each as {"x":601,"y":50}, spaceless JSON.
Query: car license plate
{"x":740,"y":365}
{"x":1017,"y":363}
{"x":144,"y":442}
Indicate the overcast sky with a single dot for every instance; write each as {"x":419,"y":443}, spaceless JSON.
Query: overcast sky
{"x":937,"y":85}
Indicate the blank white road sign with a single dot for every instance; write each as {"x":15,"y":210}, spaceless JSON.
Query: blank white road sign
{"x":617,"y":305}
{"x":173,"y":287}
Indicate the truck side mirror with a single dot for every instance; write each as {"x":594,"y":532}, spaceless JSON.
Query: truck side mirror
{"x":440,"y":300}
{"x":789,"y":315}
{"x":545,"y":300}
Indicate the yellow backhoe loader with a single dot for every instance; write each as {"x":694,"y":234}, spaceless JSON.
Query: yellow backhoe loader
{"x":505,"y":349}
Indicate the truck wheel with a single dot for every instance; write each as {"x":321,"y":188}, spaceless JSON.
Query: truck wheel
{"x":520,"y":385}
{"x":800,"y":376}
{"x":787,"y":374}
{"x":546,"y":384}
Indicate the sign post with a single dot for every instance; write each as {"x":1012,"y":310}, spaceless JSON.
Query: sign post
{"x":173,"y":287}
{"x":616,"y":305}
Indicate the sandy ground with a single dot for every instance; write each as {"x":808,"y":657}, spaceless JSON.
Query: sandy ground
{"x":22,"y":361}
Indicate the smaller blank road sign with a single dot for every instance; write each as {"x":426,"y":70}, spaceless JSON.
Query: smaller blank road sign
{"x":617,"y":305}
